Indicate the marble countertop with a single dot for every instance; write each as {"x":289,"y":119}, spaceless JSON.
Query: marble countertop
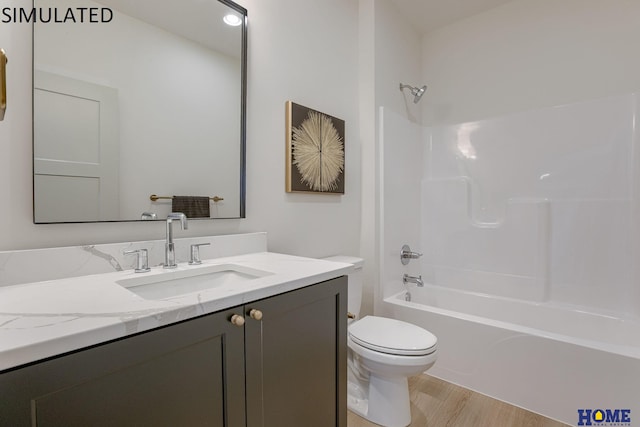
{"x":44,"y":319}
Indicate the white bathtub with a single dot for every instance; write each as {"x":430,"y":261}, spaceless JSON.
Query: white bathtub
{"x":550,"y":359}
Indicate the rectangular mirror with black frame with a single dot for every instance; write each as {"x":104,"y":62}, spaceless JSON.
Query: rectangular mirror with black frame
{"x":149,"y":99}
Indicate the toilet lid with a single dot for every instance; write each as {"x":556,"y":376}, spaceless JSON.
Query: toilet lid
{"x":392,"y":336}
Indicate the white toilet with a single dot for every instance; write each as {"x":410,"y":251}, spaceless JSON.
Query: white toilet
{"x":383,"y":353}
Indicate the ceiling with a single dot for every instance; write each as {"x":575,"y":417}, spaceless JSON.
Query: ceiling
{"x":202,"y":25}
{"x":196,"y":20}
{"x":428,"y":15}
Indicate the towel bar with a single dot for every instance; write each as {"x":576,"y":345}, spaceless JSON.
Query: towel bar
{"x":154,"y":198}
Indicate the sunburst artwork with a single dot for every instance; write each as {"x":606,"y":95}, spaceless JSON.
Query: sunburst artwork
{"x":315,"y":151}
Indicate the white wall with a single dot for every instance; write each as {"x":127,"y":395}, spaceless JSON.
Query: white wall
{"x":307,"y":52}
{"x":291,"y":57}
{"x":369,"y":240}
{"x":397,"y":60}
{"x":528,"y":54}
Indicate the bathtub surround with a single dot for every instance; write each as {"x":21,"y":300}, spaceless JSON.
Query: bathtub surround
{"x":537,"y":268}
{"x":558,"y":228}
{"x":519,"y":183}
{"x":536,"y":205}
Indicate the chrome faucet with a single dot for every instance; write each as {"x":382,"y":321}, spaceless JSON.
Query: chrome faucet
{"x":412,"y":279}
{"x":169,"y":249}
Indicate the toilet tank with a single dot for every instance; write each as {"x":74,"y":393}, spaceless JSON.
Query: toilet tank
{"x":354,"y":283}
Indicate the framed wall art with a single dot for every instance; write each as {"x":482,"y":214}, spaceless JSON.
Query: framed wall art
{"x":315,"y":151}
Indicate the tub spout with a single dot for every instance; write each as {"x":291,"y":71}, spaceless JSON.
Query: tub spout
{"x":413,"y":279}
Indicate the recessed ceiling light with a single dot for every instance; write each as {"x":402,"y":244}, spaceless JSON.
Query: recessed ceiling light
{"x":232,"y":20}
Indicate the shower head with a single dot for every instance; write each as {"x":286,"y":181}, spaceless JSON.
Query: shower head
{"x":415,"y":91}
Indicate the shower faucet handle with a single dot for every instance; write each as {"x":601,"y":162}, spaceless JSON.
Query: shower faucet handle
{"x":407,"y":255}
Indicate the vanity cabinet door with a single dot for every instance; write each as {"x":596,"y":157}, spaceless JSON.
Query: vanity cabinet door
{"x":296,"y":358}
{"x":187,"y":374}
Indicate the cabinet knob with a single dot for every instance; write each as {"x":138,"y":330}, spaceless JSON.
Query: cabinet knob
{"x":255,"y":314}
{"x":237,"y":320}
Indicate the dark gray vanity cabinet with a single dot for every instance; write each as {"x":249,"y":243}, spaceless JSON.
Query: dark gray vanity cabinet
{"x":186,"y":374}
{"x":286,"y":370}
{"x":296,"y":358}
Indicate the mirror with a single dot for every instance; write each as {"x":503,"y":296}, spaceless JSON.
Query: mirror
{"x":148,"y":99}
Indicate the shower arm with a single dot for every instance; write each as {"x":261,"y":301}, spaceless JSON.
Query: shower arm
{"x":414,"y":90}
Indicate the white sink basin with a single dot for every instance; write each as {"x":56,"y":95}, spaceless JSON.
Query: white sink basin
{"x":173,"y":283}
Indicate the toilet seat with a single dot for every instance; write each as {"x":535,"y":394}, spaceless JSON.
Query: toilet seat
{"x":392,"y":336}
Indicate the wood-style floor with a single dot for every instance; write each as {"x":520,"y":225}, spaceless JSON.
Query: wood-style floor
{"x":437,"y":403}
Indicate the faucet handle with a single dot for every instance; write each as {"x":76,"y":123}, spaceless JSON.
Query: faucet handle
{"x":142,"y":260}
{"x":406,"y":255}
{"x":194,"y":258}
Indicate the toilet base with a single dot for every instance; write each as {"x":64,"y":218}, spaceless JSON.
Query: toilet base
{"x":386,"y":402}
{"x":357,"y":401}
